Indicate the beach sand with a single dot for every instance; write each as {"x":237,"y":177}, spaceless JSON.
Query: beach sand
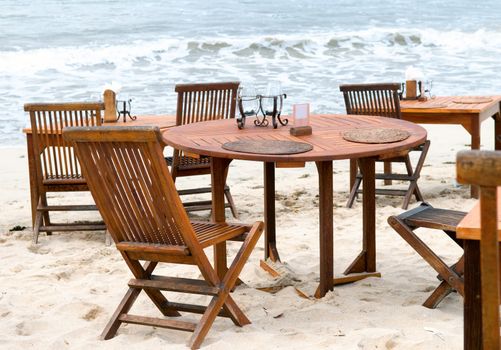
{"x":60,"y":293}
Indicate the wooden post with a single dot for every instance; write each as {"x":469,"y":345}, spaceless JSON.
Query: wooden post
{"x":489,"y":268}
{"x":110,"y":106}
{"x":472,"y":300}
{"x":326,"y":221}
{"x":270,"y":240}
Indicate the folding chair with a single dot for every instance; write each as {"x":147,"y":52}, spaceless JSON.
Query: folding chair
{"x":134,"y":191}
{"x":426,"y":216}
{"x":383,"y":100}
{"x":199,"y":103}
{"x":53,"y":164}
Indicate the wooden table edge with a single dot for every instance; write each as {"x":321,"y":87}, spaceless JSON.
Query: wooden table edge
{"x":469,"y":227}
{"x":301,"y":157}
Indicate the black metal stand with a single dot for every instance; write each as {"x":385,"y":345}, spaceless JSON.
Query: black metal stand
{"x":278,"y":102}
{"x":125,"y":111}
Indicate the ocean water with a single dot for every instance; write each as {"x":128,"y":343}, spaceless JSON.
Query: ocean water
{"x":68,"y":50}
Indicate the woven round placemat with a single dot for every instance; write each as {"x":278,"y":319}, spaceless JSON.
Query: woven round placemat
{"x":375,"y":135}
{"x":472,"y":100}
{"x":268,"y":146}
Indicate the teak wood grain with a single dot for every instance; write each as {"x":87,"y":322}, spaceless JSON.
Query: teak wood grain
{"x":135,"y":193}
{"x":328,"y":144}
{"x":53,"y":165}
{"x":206,"y":138}
{"x":52,"y":132}
{"x":469,"y":116}
{"x":446,"y":107}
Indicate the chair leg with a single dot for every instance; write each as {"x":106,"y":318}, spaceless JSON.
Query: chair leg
{"x":353,"y":172}
{"x":412,"y":189}
{"x":229,"y":198}
{"x":125,"y":305}
{"x":36,"y":228}
{"x":417,"y":192}
{"x":443,"y":290}
{"x":46,"y":216}
{"x":206,"y":321}
{"x":419,"y":167}
{"x":236,"y":315}
{"x":387,"y":170}
{"x":227,"y":284}
{"x":354,"y":190}
{"x":450,"y":276}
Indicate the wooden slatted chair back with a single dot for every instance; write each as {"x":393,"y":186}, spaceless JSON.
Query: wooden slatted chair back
{"x":372,"y":99}
{"x":483,"y":168}
{"x":57,"y":162}
{"x":131,"y":184}
{"x":205,"y":101}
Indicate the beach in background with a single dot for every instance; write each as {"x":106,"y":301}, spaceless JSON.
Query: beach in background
{"x":60,"y":293}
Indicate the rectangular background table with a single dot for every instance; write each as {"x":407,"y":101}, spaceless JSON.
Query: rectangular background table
{"x":443,"y":110}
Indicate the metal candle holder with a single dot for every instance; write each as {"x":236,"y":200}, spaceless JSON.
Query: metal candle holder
{"x":427,"y":90}
{"x":278,"y":101}
{"x":126,"y":108}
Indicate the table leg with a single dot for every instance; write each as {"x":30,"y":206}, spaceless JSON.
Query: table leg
{"x":219,"y":167}
{"x":475,"y":144}
{"x":270,"y":240}
{"x":472,"y":300}
{"x":366,"y":260}
{"x":325,"y":206}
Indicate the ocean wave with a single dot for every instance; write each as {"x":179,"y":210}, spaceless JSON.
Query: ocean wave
{"x":310,"y":66}
{"x":296,"y":47}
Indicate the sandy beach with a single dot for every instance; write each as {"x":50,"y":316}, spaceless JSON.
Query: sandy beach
{"x":60,"y":293}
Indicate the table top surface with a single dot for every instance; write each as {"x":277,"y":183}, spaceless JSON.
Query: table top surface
{"x":469,"y":227}
{"x":447,"y":104}
{"x":207,"y":138}
{"x":162,"y":121}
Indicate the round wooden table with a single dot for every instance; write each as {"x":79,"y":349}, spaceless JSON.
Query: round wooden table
{"x":207,"y":138}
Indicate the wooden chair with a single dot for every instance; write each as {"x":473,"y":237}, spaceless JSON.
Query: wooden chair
{"x":199,"y":103}
{"x":53,"y":164}
{"x":136,"y":195}
{"x":383,"y":100}
{"x":425,"y":216}
{"x":483,"y":168}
